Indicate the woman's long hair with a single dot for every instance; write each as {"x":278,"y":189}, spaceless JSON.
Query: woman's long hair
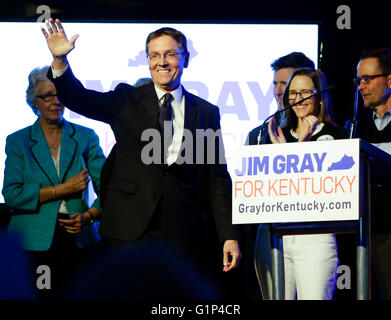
{"x":322,"y":106}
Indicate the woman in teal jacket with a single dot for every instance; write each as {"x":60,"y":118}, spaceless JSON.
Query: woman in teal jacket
{"x":46,"y":178}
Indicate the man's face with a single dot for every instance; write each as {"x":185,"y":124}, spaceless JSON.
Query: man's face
{"x":166,"y":62}
{"x":281,"y":77}
{"x":374,"y":91}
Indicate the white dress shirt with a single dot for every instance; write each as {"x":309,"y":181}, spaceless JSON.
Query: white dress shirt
{"x":178,"y":121}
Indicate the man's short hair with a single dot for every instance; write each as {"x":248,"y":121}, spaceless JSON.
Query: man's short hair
{"x":293,"y":60}
{"x":173,"y":33}
{"x":383,"y":56}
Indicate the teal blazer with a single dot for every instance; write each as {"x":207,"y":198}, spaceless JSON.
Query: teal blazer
{"x":29,"y":166}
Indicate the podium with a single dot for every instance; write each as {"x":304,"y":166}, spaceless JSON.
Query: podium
{"x":375,"y":168}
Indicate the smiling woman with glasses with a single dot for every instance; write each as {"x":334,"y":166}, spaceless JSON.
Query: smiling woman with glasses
{"x":311,"y":82}
{"x":46,"y":182}
{"x":311,"y":260}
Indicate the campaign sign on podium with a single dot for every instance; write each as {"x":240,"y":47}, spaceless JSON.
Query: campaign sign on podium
{"x":296,"y":182}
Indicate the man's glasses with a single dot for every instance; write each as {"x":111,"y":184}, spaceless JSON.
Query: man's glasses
{"x":47,"y":97}
{"x":168,"y":56}
{"x":368,"y":79}
{"x":304,"y":94}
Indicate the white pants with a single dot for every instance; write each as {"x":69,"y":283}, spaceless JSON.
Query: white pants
{"x":310,"y":263}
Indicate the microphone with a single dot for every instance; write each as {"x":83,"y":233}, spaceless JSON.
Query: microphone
{"x":353,"y":124}
{"x":261,"y":134}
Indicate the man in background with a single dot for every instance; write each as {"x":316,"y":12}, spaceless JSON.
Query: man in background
{"x":374,"y":84}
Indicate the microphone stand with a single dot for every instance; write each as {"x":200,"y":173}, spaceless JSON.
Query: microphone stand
{"x":261,"y":135}
{"x":353,"y":123}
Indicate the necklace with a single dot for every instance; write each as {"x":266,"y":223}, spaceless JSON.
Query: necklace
{"x":53,"y":139}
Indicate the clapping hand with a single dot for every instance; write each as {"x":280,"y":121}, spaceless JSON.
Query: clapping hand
{"x":310,"y":124}
{"x":276,"y":134}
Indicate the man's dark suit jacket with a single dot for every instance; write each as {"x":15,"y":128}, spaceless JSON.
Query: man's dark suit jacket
{"x":134,"y":188}
{"x":252,"y":138}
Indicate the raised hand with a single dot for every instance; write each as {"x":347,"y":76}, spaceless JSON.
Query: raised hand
{"x":276,"y":134}
{"x":57,"y":41}
{"x":310,"y":124}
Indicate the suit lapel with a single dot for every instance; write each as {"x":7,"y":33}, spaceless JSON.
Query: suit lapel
{"x":191,"y":111}
{"x":68,"y":148}
{"x":41,"y":153}
{"x":148,"y":105}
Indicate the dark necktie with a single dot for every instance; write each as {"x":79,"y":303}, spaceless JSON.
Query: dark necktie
{"x":165,"y":116}
{"x":165,"y":113}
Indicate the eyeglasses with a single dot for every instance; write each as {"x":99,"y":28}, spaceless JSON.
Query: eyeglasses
{"x":169,"y":56}
{"x":305,"y":93}
{"x":368,"y":79}
{"x":47,"y":97}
